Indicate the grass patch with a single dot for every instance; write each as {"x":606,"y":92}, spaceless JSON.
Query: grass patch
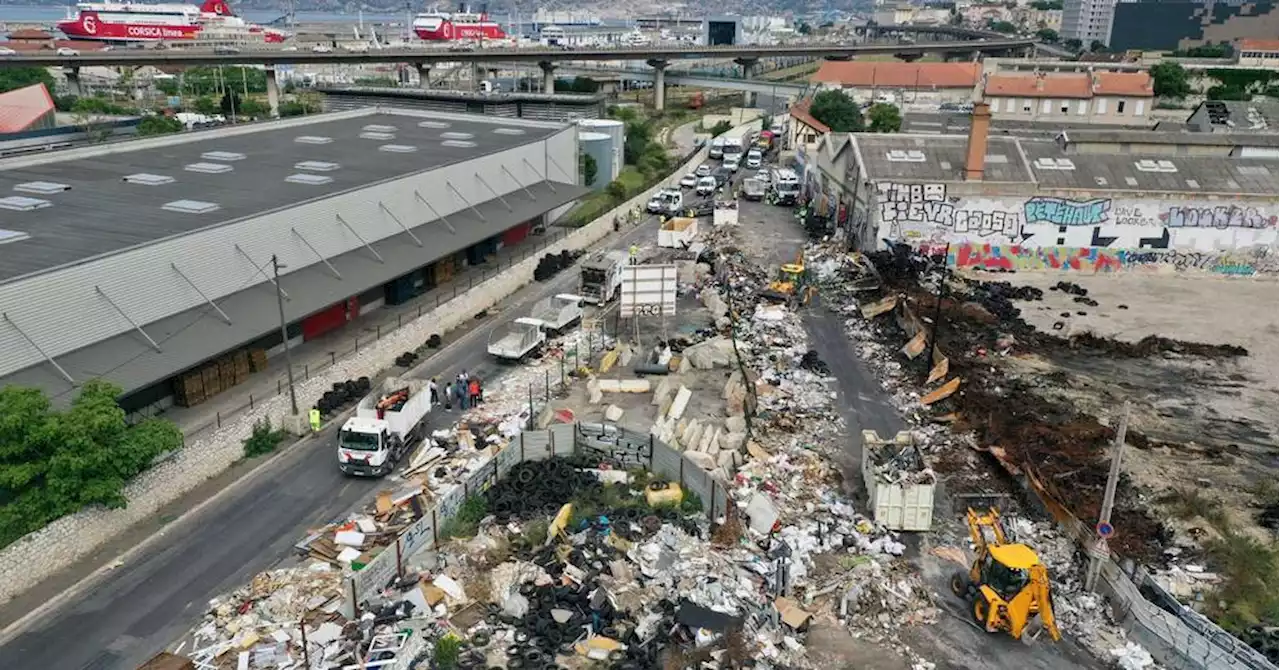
{"x":466,"y":522}
{"x":597,"y":204}
{"x":263,"y":440}
{"x":1248,"y":594}
{"x":447,"y":651}
{"x":1189,"y":503}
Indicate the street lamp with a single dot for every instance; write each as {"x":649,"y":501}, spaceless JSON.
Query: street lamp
{"x":284,"y":331}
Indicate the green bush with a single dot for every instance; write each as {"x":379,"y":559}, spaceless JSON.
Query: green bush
{"x":55,"y":463}
{"x":263,"y":440}
{"x":466,"y":522}
{"x":447,"y":651}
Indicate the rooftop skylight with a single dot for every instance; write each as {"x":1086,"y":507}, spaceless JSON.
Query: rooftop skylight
{"x":458,"y":144}
{"x":209,"y":168}
{"x":148,"y":179}
{"x":309,"y":179}
{"x":457,"y":136}
{"x":398,"y":148}
{"x":191,"y":206}
{"x":378,"y":128}
{"x":7,"y":236}
{"x":312,"y":139}
{"x":224,"y":156}
{"x":433,"y":124}
{"x":41,"y":187}
{"x":508,"y":131}
{"x":376,"y":135}
{"x":316,"y":166}
{"x":21,"y":203}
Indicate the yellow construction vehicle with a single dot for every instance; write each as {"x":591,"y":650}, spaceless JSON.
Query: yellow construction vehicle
{"x":792,"y":281}
{"x":1007,"y":587}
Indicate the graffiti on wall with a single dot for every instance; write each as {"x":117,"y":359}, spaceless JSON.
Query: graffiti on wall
{"x":1013,"y":257}
{"x":1207,"y":235}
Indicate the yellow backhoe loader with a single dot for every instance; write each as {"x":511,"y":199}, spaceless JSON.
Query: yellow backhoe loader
{"x":1007,"y":587}
{"x":792,"y":282}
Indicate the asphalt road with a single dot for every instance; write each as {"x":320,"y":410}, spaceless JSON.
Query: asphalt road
{"x":141,"y":607}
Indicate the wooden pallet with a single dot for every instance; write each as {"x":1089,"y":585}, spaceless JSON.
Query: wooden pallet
{"x":212,"y":380}
{"x":188,"y":389}
{"x":257,"y":360}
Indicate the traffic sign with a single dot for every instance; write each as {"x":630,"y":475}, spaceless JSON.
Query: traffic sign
{"x":1105,"y":529}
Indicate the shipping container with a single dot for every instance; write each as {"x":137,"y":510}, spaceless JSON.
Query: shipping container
{"x":899,"y":484}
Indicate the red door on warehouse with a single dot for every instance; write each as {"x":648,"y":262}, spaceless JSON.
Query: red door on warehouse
{"x":330,"y":318}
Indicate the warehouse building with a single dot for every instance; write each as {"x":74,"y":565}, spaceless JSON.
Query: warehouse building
{"x":148,"y":263}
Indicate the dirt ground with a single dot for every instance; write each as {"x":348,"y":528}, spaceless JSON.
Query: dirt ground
{"x":1216,"y":417}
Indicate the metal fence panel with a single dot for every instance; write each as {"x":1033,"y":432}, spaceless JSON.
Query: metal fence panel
{"x":535,"y":445}
{"x":508,"y":458}
{"x":563,"y":442}
{"x":667,"y":462}
{"x":449,"y":504}
{"x":374,"y":576}
{"x":483,"y":478}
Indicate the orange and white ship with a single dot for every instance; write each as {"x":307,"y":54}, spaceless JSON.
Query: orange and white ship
{"x":464,"y":24}
{"x":141,"y":22}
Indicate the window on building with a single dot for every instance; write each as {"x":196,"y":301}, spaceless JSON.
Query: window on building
{"x":1120,"y":107}
{"x":1046,"y":106}
{"x":1026,"y":105}
{"x":1083,"y":109}
{"x":1138,"y":107}
{"x":1065,"y":108}
{"x":1101,"y":106}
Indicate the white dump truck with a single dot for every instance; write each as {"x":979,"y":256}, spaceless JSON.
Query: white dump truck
{"x":900,"y":485}
{"x":602,"y":277}
{"x":518,"y":340}
{"x":558,"y":312}
{"x":387,"y":423}
{"x":677,"y":233}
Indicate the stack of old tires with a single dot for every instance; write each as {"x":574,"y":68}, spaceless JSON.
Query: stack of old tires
{"x":552,"y":264}
{"x":343,"y":394}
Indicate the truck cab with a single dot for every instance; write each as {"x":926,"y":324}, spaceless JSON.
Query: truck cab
{"x":717,"y":148}
{"x":667,"y":201}
{"x":601,"y":277}
{"x":366,"y":447}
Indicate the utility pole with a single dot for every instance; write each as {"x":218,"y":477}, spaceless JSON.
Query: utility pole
{"x":284,"y":332}
{"x":1104,"y":529}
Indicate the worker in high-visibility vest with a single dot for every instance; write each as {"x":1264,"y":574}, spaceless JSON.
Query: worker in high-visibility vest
{"x":634,"y":250}
{"x":314,"y":416}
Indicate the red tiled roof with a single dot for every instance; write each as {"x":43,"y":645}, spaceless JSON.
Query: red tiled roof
{"x":800,"y":112}
{"x":30,"y":34}
{"x":898,"y":75}
{"x":1079,"y":85}
{"x":22,"y":107}
{"x":1258,"y":45}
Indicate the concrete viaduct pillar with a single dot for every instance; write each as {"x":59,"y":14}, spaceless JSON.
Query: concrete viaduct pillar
{"x":273,"y":93}
{"x":424,"y":75}
{"x":659,"y":83}
{"x":548,"y":76}
{"x":72,"y":75}
{"x":748,"y":66}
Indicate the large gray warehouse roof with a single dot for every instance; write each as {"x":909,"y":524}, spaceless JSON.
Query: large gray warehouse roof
{"x":244,"y":174}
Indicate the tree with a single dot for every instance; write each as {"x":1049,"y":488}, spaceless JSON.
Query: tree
{"x":206,"y":105}
{"x":720,"y":128}
{"x":158,"y":125}
{"x":804,"y":28}
{"x":21,"y":77}
{"x":1047,"y":35}
{"x":884,"y":118}
{"x":1073,"y":44}
{"x":1002,"y":27}
{"x":837,"y":110}
{"x":588,"y":168}
{"x":616,"y":190}
{"x":253,"y":108}
{"x":1045,"y":5}
{"x":1170,"y":80}
{"x":1097,"y":47}
{"x":639,"y":133}
{"x":54,"y":463}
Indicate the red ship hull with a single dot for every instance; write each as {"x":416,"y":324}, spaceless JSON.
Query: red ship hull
{"x":88,"y":27}
{"x":448,"y":32}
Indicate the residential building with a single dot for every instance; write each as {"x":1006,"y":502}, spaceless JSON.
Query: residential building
{"x":26,"y":109}
{"x":142,"y":262}
{"x":804,"y":129}
{"x":1113,"y":98}
{"x":1004,"y":203}
{"x":867,"y":81}
{"x":1258,"y":53}
{"x":1161,"y":25}
{"x":1088,"y":20}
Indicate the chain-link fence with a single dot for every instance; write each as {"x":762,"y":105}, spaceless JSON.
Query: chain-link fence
{"x":367,"y":334}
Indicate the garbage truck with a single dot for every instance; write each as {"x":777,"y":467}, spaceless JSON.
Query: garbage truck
{"x":387,"y":424}
{"x":558,"y":312}
{"x":602,"y":277}
{"x":518,"y":340}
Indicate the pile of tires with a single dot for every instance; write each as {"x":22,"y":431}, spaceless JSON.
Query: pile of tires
{"x":343,"y":394}
{"x":551,"y":264}
{"x":407,"y":360}
{"x":538,"y":489}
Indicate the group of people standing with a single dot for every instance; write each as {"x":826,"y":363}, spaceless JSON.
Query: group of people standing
{"x":466,"y":390}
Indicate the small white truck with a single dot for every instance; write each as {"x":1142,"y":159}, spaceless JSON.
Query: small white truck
{"x":677,"y":233}
{"x":558,"y":312}
{"x":386,"y":425}
{"x":667,"y":201}
{"x":725,"y":214}
{"x":518,"y":340}
{"x":899,"y":484}
{"x":601,"y":277}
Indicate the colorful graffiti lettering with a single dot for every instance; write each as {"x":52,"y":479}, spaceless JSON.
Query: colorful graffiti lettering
{"x":928,"y":205}
{"x":1220,"y":217}
{"x":1260,"y":261}
{"x":1063,"y":212}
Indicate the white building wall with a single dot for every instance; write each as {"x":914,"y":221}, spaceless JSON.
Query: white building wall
{"x":63,"y":311}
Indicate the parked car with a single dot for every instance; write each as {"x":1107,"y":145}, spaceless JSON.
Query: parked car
{"x":753,"y":189}
{"x":321,"y":49}
{"x":754,"y":159}
{"x":6,"y":51}
{"x":226,"y":50}
{"x":67,"y":51}
{"x":703,"y":170}
{"x":707,"y":185}
{"x":722,"y":175}
{"x":731,"y":163}
{"x":689,"y":181}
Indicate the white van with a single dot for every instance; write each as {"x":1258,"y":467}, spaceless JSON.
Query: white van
{"x":717,"y":148}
